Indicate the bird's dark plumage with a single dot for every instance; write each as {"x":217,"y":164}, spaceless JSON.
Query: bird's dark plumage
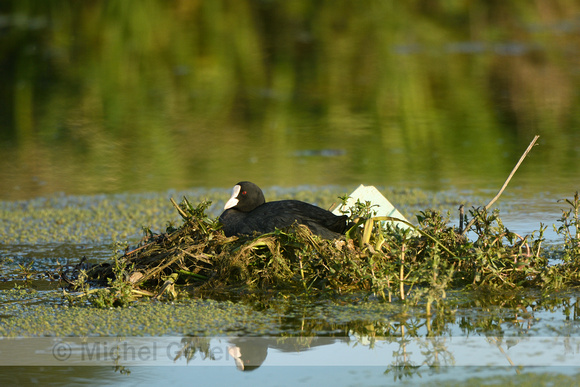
{"x":247,"y":212}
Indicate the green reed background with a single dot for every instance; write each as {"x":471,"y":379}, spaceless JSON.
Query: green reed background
{"x":108,"y":96}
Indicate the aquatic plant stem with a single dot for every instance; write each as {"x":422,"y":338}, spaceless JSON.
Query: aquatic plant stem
{"x":302,"y":272}
{"x":488,"y":205}
{"x":402,"y":273}
{"x":181,"y":212}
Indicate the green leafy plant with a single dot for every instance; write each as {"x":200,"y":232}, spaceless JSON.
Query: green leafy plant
{"x":570,"y":230}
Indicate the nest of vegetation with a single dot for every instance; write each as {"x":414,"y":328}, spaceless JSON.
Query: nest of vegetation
{"x":418,"y":263}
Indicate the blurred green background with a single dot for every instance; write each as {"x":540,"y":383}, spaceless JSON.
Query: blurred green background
{"x":146,"y":95}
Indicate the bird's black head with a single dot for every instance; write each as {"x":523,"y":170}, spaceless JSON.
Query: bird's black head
{"x":246,"y":196}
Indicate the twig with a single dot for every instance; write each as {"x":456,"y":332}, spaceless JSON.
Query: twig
{"x":141,"y":292}
{"x":157,"y":269}
{"x":138,"y":248}
{"x":199,"y":257}
{"x":488,"y":205}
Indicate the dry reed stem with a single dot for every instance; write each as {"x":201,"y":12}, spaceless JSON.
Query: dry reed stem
{"x":488,"y":205}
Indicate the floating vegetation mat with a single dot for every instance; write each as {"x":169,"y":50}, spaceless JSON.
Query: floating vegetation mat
{"x":416,"y":264}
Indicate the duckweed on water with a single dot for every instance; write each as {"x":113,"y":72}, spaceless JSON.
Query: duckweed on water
{"x":107,"y":218}
{"x":416,"y":266}
{"x":303,"y":316}
{"x":189,"y":317}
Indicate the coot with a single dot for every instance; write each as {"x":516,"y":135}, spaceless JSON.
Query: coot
{"x":247,"y":212}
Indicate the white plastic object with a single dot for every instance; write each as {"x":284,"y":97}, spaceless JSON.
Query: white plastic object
{"x":381,"y":204}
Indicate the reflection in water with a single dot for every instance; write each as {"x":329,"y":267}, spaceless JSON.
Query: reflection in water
{"x":98,"y":98}
{"x":472,"y":336}
{"x":249,"y":353}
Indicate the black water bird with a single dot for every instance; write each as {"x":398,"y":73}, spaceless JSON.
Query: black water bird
{"x":247,"y":212}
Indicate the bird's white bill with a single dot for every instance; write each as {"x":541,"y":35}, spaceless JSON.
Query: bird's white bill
{"x":234,"y":199}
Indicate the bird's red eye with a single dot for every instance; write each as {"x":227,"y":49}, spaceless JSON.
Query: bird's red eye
{"x":244,"y":192}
